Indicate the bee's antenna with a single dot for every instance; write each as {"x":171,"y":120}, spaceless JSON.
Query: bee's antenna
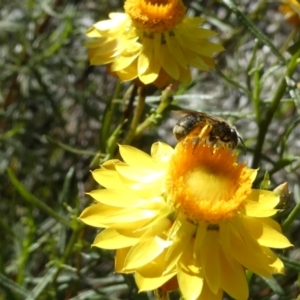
{"x":242,"y":142}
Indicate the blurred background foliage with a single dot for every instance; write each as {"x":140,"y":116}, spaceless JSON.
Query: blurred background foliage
{"x":58,"y":120}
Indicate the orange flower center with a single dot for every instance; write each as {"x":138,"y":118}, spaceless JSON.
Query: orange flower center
{"x":155,"y":15}
{"x":206,"y":184}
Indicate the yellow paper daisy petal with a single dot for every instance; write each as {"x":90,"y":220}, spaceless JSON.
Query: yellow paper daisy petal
{"x":111,"y":26}
{"x":127,"y":58}
{"x":151,"y":39}
{"x":190,"y":284}
{"x":115,"y":217}
{"x":135,"y":157}
{"x":206,"y":293}
{"x":186,"y":215}
{"x":276,"y":264}
{"x":128,"y":73}
{"x":176,"y":50}
{"x":111,"y":238}
{"x":151,"y":73}
{"x":108,"y":177}
{"x":145,"y":57}
{"x":143,"y":253}
{"x":120,"y":257}
{"x":260,"y":200}
{"x":233,"y":279}
{"x":120,"y":198}
{"x":139,"y":174}
{"x":256,"y":261}
{"x":265,"y":233}
{"x":210,"y":261}
{"x":90,"y":215}
{"x":291,"y":11}
{"x":151,"y":283}
{"x":161,"y":153}
{"x":168,"y":63}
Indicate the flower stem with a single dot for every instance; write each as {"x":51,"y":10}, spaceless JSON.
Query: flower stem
{"x":35,"y":201}
{"x":165,"y":100}
{"x":266,"y":121}
{"x":160,"y":295}
{"x":288,"y":40}
{"x":111,"y":106}
{"x":291,"y":217}
{"x":69,"y":249}
{"x":253,"y":28}
{"x":137,"y":115}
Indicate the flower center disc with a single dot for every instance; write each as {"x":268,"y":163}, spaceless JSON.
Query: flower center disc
{"x":206,"y":184}
{"x":155,"y":15}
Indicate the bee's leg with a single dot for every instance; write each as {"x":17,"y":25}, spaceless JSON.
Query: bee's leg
{"x":203,"y":135}
{"x":205,"y":131}
{"x":216,"y":145}
{"x":196,"y":142}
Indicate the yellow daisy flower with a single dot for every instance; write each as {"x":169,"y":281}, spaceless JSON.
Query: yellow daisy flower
{"x":189,"y":214}
{"x":153,"y":41}
{"x":291,"y":10}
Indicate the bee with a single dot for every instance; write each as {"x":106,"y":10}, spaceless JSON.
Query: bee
{"x":202,"y":127}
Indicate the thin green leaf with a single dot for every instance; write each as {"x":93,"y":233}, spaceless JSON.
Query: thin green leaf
{"x":253,"y":29}
{"x":41,"y":286}
{"x":274,"y":285}
{"x":12,"y":286}
{"x":34,"y":200}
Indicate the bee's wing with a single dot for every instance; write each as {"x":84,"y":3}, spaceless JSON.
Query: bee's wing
{"x":209,"y":119}
{"x":185,"y":112}
{"x":213,"y":119}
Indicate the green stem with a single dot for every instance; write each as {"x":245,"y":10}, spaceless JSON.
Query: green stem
{"x":161,"y":295}
{"x":266,"y":121}
{"x":256,"y":94}
{"x":166,"y":99}
{"x":111,"y":106}
{"x":27,"y":240}
{"x":287,"y":41}
{"x":111,"y":143}
{"x":68,"y":148}
{"x":137,"y":115}
{"x":253,"y":29}
{"x":34,"y":200}
{"x":69,"y":249}
{"x":249,"y":275}
{"x":291,"y":217}
{"x":233,"y":82}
